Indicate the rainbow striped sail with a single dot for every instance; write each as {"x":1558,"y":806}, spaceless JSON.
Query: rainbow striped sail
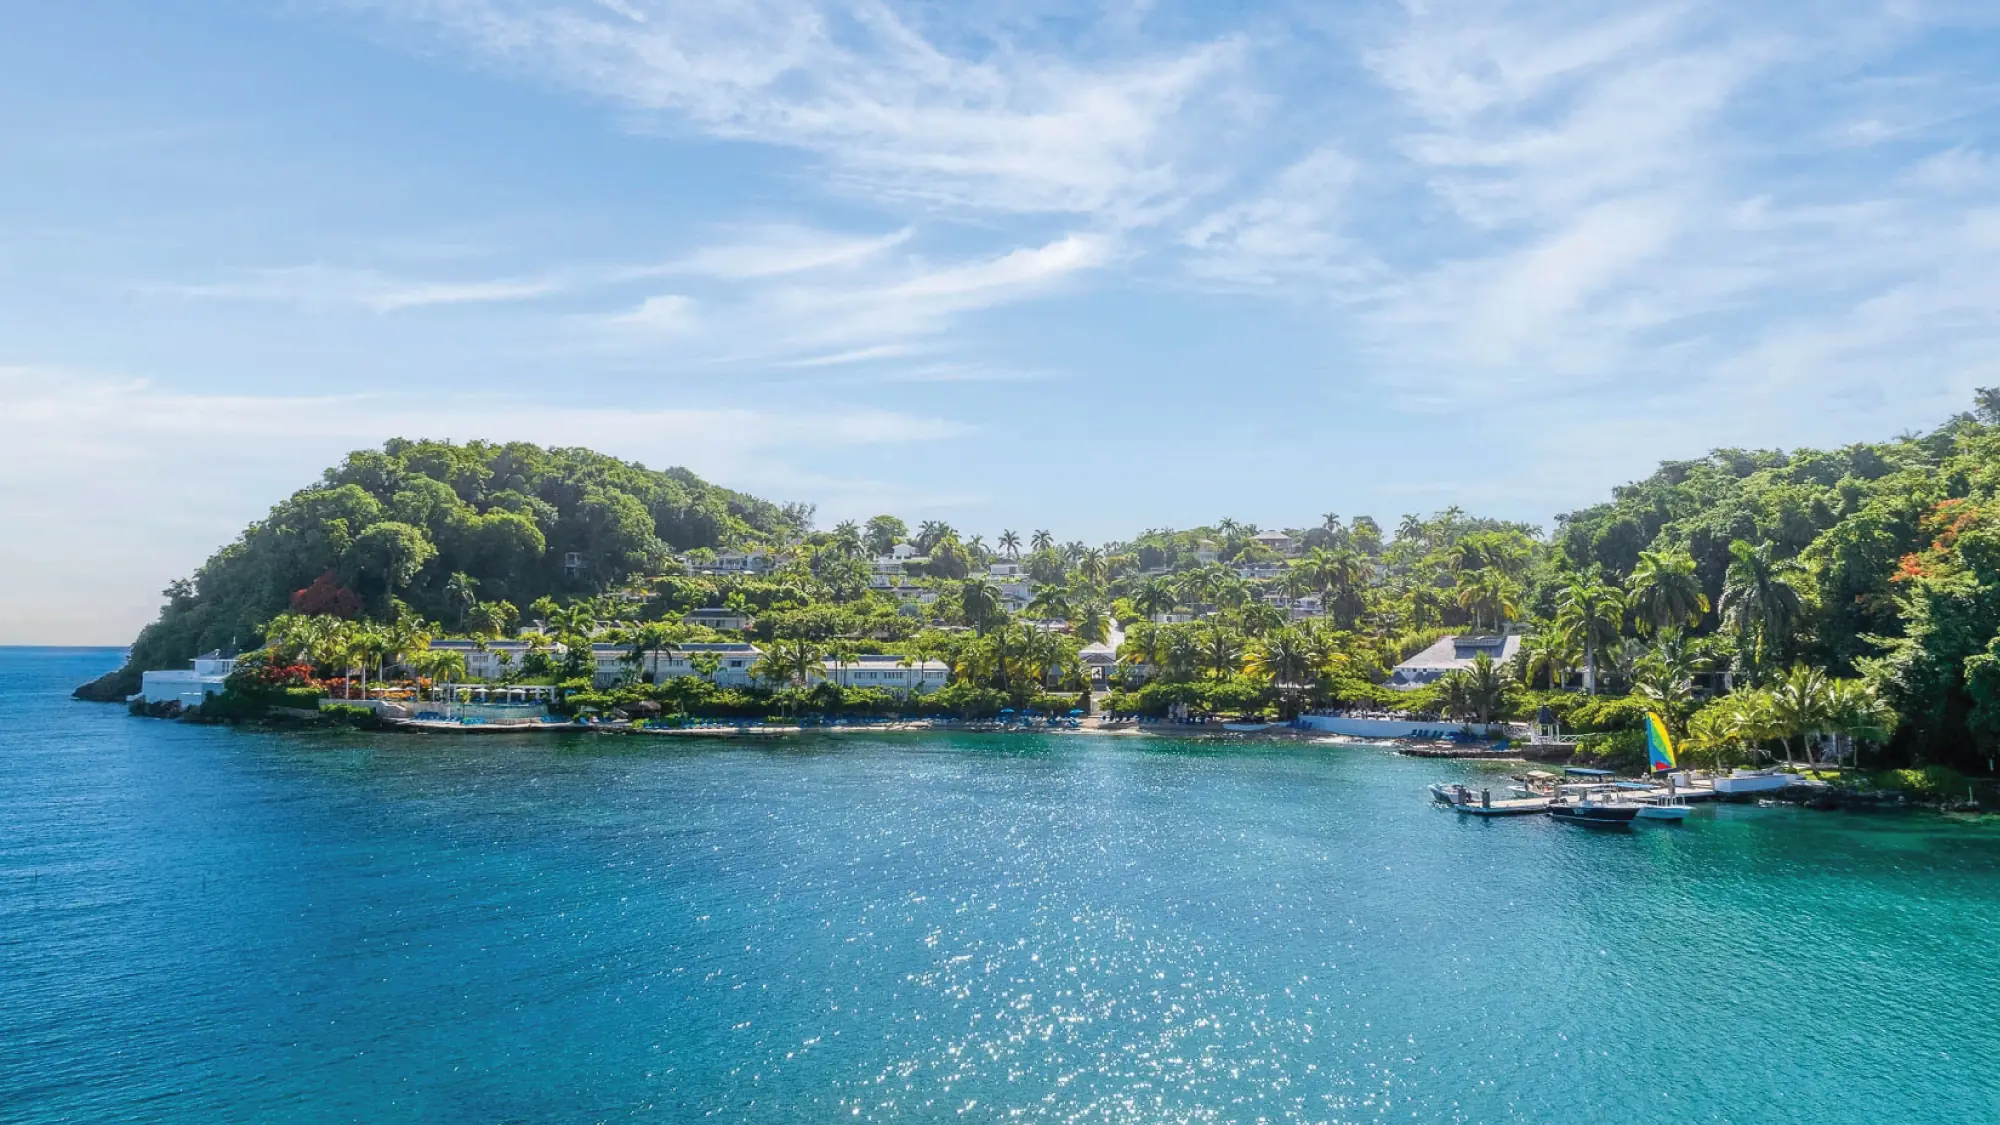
{"x":1659,"y":744}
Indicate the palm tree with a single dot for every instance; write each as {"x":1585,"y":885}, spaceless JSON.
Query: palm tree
{"x":1665,"y":591}
{"x":1200,"y":585}
{"x":1588,"y":611}
{"x":1672,"y":696}
{"x":1547,"y":653}
{"x":461,"y":590}
{"x":1223,"y":651}
{"x":705,"y":664}
{"x":1093,"y":624}
{"x":1011,"y":543}
{"x":1487,"y":591}
{"x":1154,"y":597}
{"x":1181,"y":654}
{"x":1041,"y":541}
{"x":980,"y":600}
{"x":1261,"y":618}
{"x":647,"y":641}
{"x":1090,"y":564}
{"x":1340,"y":577}
{"x":439,"y":665}
{"x":1143,"y":644}
{"x":489,"y":620}
{"x":1759,"y":602}
{"x":929,"y":533}
{"x":1283,"y":656}
{"x":1050,"y":603}
{"x":575,"y":625}
{"x":1858,"y":714}
{"x":787,"y":660}
{"x":1801,"y":704}
{"x":407,"y":636}
{"x":1484,"y":685}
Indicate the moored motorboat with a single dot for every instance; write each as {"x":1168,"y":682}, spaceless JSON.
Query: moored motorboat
{"x":1586,"y":810}
{"x":1667,"y":808}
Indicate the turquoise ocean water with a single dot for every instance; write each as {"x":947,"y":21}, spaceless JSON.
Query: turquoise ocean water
{"x":202,"y":925}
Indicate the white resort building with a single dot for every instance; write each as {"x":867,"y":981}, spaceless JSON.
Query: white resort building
{"x":188,"y":686}
{"x":734,"y":662}
{"x":888,"y":673}
{"x":496,"y":659}
{"x":1450,"y":654}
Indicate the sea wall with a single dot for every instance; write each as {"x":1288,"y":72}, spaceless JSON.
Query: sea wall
{"x":1394,"y":728}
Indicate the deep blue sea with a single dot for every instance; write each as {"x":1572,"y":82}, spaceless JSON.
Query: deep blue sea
{"x":209,"y":925}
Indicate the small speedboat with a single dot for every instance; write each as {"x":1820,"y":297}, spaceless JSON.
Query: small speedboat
{"x":1595,"y":814}
{"x":1665,"y":808}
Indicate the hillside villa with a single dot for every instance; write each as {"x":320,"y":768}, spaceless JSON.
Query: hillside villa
{"x":718,"y":617}
{"x":1451,"y":654}
{"x":1276,"y":540}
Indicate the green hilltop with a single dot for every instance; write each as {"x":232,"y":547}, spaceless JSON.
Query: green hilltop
{"x":416,"y":519}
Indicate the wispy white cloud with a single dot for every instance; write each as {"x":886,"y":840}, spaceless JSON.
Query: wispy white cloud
{"x":55,"y":420}
{"x":326,"y":287}
{"x":968,"y":121}
{"x":775,"y":251}
{"x":1667,"y":190}
{"x":827,"y":315}
{"x":1290,"y":228}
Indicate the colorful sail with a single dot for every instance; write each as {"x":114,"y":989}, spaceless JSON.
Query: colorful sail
{"x":1659,"y":744}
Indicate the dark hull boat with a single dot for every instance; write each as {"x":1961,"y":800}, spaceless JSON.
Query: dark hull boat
{"x":1594,"y":815}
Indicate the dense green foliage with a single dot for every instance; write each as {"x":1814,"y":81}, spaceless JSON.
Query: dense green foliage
{"x":1765,"y":604}
{"x":444,"y":527}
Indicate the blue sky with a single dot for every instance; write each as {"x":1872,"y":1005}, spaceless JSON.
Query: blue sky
{"x":1086,"y":267}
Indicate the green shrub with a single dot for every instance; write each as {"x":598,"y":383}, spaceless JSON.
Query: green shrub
{"x":351,"y":715}
{"x":1609,"y":713}
{"x":1930,"y":782}
{"x":1623,"y":751}
{"x":963,"y":701}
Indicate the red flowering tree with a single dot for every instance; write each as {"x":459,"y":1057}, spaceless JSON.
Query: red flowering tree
{"x":326,"y":597}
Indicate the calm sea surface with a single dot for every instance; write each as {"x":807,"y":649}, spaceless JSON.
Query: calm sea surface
{"x":203,"y":925}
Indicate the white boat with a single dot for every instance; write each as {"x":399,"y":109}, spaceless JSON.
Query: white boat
{"x":1670,"y":809}
{"x":1754,"y":781}
{"x":1248,"y":728}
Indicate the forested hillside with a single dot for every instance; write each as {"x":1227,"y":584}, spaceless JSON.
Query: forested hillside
{"x":434,"y":525}
{"x":1752,"y":598}
{"x":1878,"y":559}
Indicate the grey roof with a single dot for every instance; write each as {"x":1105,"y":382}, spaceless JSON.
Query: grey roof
{"x":1455,"y":652}
{"x":461,"y":644}
{"x":688,"y":646}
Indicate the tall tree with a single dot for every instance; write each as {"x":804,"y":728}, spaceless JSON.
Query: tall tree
{"x":1665,"y":591}
{"x":980,"y":600}
{"x":884,"y":532}
{"x":1588,"y":611}
{"x":1759,"y":602}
